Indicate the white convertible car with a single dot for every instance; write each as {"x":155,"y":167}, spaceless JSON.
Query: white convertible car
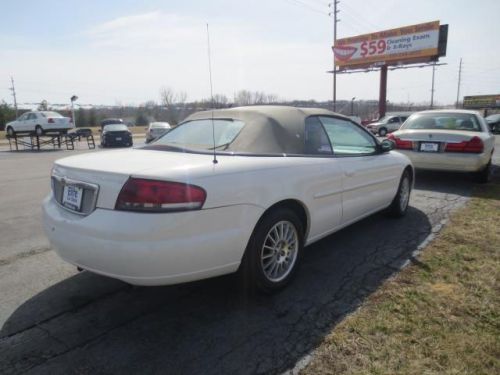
{"x":233,"y":189}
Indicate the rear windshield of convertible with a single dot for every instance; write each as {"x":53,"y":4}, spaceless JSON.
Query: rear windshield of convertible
{"x":200,"y":134}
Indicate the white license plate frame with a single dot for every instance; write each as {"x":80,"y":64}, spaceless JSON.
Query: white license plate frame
{"x":429,"y":147}
{"x":72,"y":197}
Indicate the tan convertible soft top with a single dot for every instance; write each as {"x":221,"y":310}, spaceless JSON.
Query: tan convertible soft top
{"x":268,"y":129}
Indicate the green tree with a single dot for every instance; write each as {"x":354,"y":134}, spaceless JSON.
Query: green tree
{"x":7,"y":114}
{"x":141,"y":120}
{"x":81,"y":119}
{"x":92,"y":117}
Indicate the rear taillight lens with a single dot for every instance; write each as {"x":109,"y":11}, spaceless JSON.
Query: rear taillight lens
{"x":159,"y":196}
{"x":50,"y":120}
{"x":400,"y":143}
{"x":475,"y":146}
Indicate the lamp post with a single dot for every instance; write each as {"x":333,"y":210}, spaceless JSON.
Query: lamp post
{"x":352,"y":106}
{"x":73,"y":99}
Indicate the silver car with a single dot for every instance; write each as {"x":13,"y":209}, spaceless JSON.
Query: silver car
{"x":156,"y":130}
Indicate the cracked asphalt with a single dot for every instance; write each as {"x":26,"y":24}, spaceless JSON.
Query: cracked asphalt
{"x":55,"y":320}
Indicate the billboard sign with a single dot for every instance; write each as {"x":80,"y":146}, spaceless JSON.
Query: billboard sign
{"x":482,"y":101}
{"x":408,"y":44}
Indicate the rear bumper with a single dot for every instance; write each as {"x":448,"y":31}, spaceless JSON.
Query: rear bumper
{"x":125,"y":141}
{"x":452,"y":162}
{"x":152,"y":249}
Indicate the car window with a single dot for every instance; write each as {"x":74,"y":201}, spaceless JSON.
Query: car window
{"x":443,"y":121}
{"x":393,"y":120}
{"x":31,"y":116}
{"x":203,"y":134}
{"x":51,"y":114}
{"x":115,"y":127}
{"x":347,"y":138}
{"x":316,"y":140}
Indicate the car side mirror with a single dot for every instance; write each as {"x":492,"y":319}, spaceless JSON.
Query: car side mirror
{"x":387,"y":145}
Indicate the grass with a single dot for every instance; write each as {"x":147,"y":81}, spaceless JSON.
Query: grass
{"x":438,"y":316}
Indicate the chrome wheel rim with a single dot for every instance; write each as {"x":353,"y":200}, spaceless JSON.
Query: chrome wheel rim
{"x":279,"y":251}
{"x":404,"y":194}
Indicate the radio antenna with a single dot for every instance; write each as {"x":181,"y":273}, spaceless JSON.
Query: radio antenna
{"x":211,"y":94}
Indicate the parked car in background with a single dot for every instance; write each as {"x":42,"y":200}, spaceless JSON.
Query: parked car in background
{"x":447,"y":140}
{"x":389,"y":123}
{"x":231,"y":189}
{"x":156,"y":130}
{"x":116,"y":135}
{"x":493,"y":122}
{"x":39,"y":123}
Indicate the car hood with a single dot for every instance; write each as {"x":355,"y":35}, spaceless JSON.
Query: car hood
{"x":375,"y":123}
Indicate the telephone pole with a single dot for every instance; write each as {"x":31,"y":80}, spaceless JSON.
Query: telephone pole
{"x":13,"y":89}
{"x":459,"y":79}
{"x":432,"y":89}
{"x":335,"y":20}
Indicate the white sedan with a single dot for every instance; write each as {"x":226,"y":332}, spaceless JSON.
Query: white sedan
{"x":233,"y":189}
{"x":39,"y":122}
{"x":447,"y":140}
{"x":156,"y":130}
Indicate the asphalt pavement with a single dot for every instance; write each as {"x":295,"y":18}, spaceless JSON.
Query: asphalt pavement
{"x":56,"y":320}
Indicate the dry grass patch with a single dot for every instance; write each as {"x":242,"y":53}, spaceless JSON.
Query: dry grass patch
{"x":443,"y":318}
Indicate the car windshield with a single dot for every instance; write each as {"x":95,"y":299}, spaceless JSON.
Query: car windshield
{"x":443,"y":121}
{"x":51,"y":114}
{"x":115,"y":127}
{"x":384,"y":119}
{"x":493,"y":118}
{"x":200,"y":135}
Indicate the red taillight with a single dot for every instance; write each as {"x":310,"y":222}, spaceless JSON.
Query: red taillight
{"x":400,"y":144}
{"x":51,"y":120}
{"x":159,"y":196}
{"x":474,"y":145}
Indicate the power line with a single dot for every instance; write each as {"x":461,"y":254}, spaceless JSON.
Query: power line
{"x":306,"y":6}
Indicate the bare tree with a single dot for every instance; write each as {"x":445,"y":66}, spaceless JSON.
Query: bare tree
{"x":245,"y":97}
{"x":174,"y":103}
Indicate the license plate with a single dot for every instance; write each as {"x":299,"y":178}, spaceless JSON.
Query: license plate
{"x":72,"y":197}
{"x":429,"y":147}
{"x":118,"y":138}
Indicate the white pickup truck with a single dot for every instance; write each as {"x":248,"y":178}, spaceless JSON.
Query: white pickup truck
{"x":39,"y":123}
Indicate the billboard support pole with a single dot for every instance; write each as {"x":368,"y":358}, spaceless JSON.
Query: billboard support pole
{"x":382,"y":99}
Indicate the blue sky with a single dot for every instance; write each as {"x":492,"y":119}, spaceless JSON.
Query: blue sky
{"x":123,"y":52}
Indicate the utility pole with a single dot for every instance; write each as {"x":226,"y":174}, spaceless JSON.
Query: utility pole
{"x":432,"y":89}
{"x":13,"y":89}
{"x":335,"y":20}
{"x":459,"y":79}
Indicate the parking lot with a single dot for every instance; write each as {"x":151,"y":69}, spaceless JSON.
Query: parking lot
{"x":55,"y":319}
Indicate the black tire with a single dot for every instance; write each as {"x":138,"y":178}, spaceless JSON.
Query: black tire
{"x":38,"y":130}
{"x":484,"y":176}
{"x":258,"y":255}
{"x":382,"y":132}
{"x":399,"y":205}
{"x":10,"y":132}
